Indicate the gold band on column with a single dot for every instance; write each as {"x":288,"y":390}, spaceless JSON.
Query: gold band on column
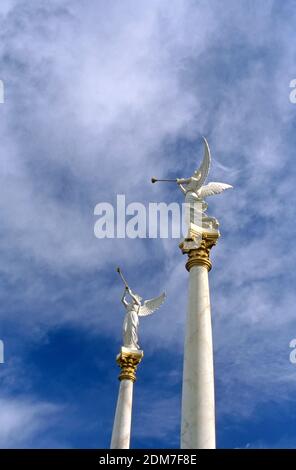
{"x":128,"y":362}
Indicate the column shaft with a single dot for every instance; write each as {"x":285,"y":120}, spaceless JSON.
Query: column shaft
{"x":128,"y":360}
{"x":123,"y":416}
{"x":198,"y":404}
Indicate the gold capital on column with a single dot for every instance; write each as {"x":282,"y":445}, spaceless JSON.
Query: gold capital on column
{"x":128,"y":361}
{"x":198,"y":246}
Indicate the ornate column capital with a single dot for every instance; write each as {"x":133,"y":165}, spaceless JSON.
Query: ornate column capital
{"x":128,"y":360}
{"x":198,"y":245}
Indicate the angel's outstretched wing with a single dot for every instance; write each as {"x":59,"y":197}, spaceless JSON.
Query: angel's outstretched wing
{"x":151,"y":305}
{"x":213,"y":188}
{"x":205,"y":166}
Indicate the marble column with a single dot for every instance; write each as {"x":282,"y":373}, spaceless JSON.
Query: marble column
{"x":198,"y":399}
{"x":128,"y":360}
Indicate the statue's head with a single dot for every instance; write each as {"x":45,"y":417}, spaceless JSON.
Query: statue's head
{"x":197,"y":175}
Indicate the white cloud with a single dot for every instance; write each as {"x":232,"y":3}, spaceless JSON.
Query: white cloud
{"x":22,"y":420}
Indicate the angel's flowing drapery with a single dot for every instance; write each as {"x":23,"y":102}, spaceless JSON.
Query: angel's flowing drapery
{"x":131,"y":319}
{"x":130,"y":328}
{"x":193,"y":209}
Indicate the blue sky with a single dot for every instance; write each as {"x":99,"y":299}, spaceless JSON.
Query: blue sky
{"x":99,"y":97}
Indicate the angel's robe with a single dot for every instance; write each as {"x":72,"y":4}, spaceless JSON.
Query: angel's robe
{"x":130,"y":327}
{"x":193,"y":207}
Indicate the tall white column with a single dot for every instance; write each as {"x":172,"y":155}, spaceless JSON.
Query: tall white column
{"x":198,"y":400}
{"x":123,"y":416}
{"x":128,"y":361}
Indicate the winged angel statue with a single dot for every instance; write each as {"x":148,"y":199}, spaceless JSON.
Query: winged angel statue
{"x":134,"y":310}
{"x":194,"y":189}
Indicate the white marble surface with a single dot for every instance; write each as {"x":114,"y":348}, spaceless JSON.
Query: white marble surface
{"x":123,"y":416}
{"x":198,"y":403}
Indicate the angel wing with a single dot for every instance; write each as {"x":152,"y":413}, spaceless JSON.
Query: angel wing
{"x":151,"y":305}
{"x":213,"y":188}
{"x":205,"y":166}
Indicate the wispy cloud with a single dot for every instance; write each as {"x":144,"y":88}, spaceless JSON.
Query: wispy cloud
{"x":24,"y":421}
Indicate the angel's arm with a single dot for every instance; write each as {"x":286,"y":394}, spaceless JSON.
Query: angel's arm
{"x":183,"y":180}
{"x":123,"y":299}
{"x":137,"y":302}
{"x":182,"y":188}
